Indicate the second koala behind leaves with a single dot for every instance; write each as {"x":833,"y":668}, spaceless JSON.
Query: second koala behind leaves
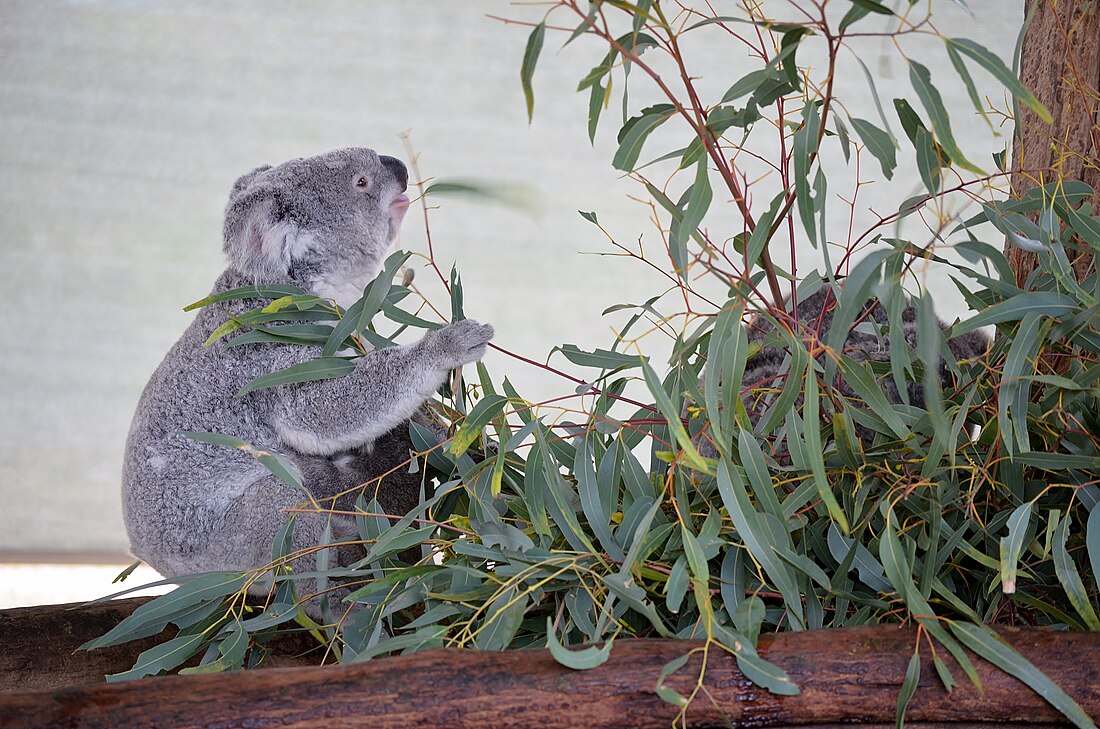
{"x":324,"y":224}
{"x":764,"y":369}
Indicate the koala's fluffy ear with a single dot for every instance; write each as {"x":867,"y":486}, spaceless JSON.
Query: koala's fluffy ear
{"x":260,"y":241}
{"x":245,"y":180}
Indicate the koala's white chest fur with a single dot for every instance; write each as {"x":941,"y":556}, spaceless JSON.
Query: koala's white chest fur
{"x":346,"y":290}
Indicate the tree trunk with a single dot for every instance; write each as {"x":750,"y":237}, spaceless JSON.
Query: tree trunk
{"x":1060,"y":64}
{"x":847,"y":677}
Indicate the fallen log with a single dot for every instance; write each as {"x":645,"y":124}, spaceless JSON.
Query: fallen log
{"x":40,"y":645}
{"x":847,"y":677}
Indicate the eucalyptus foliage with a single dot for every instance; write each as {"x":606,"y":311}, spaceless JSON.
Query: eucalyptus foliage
{"x":684,"y":512}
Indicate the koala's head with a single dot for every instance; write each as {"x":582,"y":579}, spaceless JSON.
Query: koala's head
{"x":324,"y":222}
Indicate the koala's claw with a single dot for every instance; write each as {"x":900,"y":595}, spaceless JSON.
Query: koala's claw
{"x":462,"y":342}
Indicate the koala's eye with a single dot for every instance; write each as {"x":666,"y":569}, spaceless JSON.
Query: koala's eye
{"x":362,"y":182}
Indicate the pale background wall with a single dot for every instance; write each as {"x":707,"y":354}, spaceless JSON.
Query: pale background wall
{"x":123,"y":124}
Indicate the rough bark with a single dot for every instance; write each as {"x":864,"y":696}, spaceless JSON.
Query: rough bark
{"x":1060,"y":64}
{"x":847,"y":677}
{"x":40,"y":646}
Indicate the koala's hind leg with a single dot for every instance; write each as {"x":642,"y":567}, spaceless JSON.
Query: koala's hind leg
{"x":244,"y":539}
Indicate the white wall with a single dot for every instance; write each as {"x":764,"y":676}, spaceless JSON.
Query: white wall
{"x":123,"y":124}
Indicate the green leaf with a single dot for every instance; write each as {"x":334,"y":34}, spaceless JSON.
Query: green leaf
{"x":630,"y":592}
{"x":672,"y":417}
{"x":758,"y":239}
{"x":361,"y":313}
{"x":694,"y":553}
{"x":1013,"y":544}
{"x":260,"y":291}
{"x":163,"y":657}
{"x":844,"y":137}
{"x":301,"y":302}
{"x":929,"y":164}
{"x":804,"y":147}
{"x":749,"y":616}
{"x":878,"y":143}
{"x":1067,"y":573}
{"x":873,"y":6}
{"x":968,"y":81}
{"x":728,"y":351}
{"x":637,"y":536}
{"x":231,"y":650}
{"x":875,"y":96}
{"x":478,"y":189}
{"x":758,"y":540}
{"x":321,"y":368}
{"x":597,"y":100}
{"x":814,"y":451}
{"x":989,"y":646}
{"x":752,"y":459}
{"x":457,"y":314}
{"x":634,"y":133}
{"x":503,"y":618}
{"x":486,"y":409}
{"x":304,"y":334}
{"x":154,"y":616}
{"x":527,"y":69}
{"x":121,"y":576}
{"x":1044,"y":303}
{"x":994,"y":65}
{"x":788,"y":46}
{"x":908,"y":688}
{"x":867,"y":567}
{"x":667,"y":693}
{"x":431,"y":636}
{"x":765,"y":674}
{"x":601,"y":358}
{"x":864,"y":385}
{"x":271,"y":461}
{"x":921,"y":80}
{"x":677,"y":585}
{"x":1086,"y":226}
{"x":900,"y":575}
{"x":697,"y":206}
{"x":1015,"y":391}
{"x":579,"y":660}
{"x":1092,"y":539}
{"x":589,"y":488}
{"x":792,"y":387}
{"x":747,"y":84}
{"x":559,"y":505}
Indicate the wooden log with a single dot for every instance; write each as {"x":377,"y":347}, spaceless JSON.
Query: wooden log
{"x":40,"y":645}
{"x":847,"y":677}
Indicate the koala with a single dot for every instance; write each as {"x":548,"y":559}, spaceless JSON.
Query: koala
{"x":815,"y":313}
{"x":324,"y":224}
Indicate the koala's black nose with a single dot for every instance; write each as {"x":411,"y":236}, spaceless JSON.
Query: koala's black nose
{"x":397,"y":167}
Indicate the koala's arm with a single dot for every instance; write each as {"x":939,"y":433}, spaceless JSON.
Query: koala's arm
{"x":386,"y":389}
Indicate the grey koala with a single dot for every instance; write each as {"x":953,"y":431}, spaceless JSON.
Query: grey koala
{"x":324,"y":224}
{"x":815,"y":313}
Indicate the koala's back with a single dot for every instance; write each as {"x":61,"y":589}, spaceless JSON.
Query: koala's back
{"x":172,"y":485}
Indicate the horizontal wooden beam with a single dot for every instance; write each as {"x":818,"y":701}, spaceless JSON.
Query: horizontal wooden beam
{"x":38,"y":646}
{"x":847,"y":677}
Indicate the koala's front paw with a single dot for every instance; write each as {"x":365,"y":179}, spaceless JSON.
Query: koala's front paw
{"x":460,"y":343}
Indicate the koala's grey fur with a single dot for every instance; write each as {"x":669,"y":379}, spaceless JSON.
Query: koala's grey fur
{"x":324,"y":224}
{"x":815,"y":313}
